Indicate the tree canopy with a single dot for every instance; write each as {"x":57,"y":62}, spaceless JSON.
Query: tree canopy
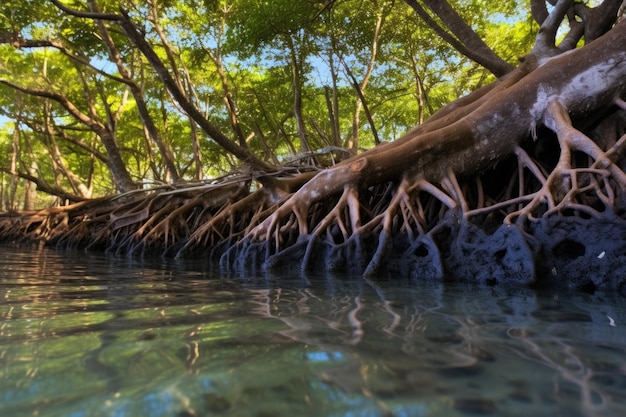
{"x":87,"y":113}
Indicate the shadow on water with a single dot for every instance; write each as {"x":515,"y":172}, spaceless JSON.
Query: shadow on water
{"x":89,"y":335}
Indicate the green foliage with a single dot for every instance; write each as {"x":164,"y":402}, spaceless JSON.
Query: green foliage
{"x":253,"y":44}
{"x":261,"y":23}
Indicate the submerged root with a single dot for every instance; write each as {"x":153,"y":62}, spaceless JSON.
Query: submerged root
{"x":384,"y":227}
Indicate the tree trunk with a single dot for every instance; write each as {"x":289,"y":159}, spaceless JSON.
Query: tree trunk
{"x":137,"y":92}
{"x":30,"y":189}
{"x":297,"y":95}
{"x":121,"y":177}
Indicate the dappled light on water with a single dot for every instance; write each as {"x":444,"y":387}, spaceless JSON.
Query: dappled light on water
{"x":87,"y":335}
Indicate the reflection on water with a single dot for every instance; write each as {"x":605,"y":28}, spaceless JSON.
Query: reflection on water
{"x":87,"y":335}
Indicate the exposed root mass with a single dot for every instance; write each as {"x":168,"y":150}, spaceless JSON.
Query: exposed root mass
{"x":505,"y":188}
{"x":540,"y":214}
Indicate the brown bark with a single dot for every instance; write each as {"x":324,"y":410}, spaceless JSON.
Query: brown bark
{"x":460,"y":36}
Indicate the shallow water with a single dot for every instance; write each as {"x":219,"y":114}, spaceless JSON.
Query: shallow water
{"x":89,"y":335}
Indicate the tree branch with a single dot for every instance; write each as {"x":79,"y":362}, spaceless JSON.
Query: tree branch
{"x":539,"y":11}
{"x":84,"y":14}
{"x":138,"y":39}
{"x":44,"y":187}
{"x":489,"y":60}
{"x":21,"y":43}
{"x":359,"y":93}
{"x":545,"y":42}
{"x":63,"y":101}
{"x":60,"y":133}
{"x":464,"y":33}
{"x":601,"y":19}
{"x":594,"y":23}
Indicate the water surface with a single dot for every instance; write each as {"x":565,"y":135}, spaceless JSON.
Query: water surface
{"x":91,"y":335}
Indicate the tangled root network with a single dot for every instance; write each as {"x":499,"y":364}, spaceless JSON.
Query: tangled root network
{"x":551,"y":214}
{"x":454,"y":199}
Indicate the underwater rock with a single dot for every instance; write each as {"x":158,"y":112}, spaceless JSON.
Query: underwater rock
{"x":502,"y":257}
{"x":581,"y":253}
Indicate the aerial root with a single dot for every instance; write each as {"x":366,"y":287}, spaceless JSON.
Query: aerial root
{"x":170,"y":228}
{"x":398,"y":203}
{"x":451,"y":185}
{"x":591,"y":189}
{"x":236,"y":217}
{"x":511,"y":198}
{"x":568,"y":187}
{"x":53,"y":226}
{"x":343,"y":219}
{"x":347,"y":230}
{"x":347,"y":206}
{"x":406,"y":206}
{"x":526,"y":162}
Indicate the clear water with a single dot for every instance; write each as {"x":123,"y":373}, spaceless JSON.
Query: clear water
{"x":89,"y":335}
